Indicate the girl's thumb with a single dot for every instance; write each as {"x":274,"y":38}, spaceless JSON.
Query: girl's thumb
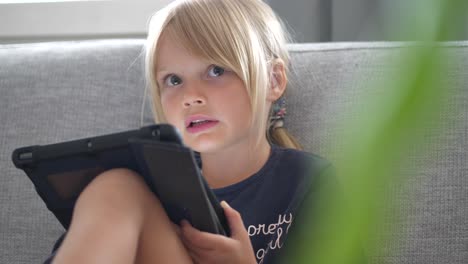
{"x":234,"y":220}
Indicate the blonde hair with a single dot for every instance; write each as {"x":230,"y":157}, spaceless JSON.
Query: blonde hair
{"x":242,"y":35}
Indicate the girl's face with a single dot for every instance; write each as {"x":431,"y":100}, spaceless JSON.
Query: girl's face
{"x":207,"y":103}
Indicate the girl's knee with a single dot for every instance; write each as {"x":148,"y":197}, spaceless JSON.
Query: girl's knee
{"x":120,"y":177}
{"x":119,"y":182}
{"x":108,"y":204}
{"x":119,"y":189}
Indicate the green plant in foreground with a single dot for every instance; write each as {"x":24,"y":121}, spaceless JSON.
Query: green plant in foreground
{"x":380,"y":139}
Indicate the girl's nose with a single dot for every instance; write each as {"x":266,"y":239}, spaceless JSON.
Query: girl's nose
{"x":193,"y":97}
{"x":193,"y":102}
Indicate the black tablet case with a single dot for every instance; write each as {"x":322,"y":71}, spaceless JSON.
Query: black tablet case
{"x":61,"y":171}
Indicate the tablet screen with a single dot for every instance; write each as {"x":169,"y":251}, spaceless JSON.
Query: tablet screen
{"x":69,"y":184}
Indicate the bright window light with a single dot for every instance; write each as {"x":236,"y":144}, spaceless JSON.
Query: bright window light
{"x":42,"y":1}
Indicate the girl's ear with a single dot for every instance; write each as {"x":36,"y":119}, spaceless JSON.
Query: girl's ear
{"x":278,"y":81}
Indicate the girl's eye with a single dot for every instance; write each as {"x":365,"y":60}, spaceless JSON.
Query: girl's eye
{"x":172,"y":80}
{"x":215,"y":71}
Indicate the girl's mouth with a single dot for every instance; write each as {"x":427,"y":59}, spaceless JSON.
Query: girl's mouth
{"x":201,"y":125}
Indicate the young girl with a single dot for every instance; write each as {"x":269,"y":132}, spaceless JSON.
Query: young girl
{"x":217,"y":71}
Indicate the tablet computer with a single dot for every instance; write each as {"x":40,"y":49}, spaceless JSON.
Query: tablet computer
{"x":61,"y":171}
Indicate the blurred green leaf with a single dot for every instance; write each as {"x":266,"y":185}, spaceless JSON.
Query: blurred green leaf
{"x":388,"y":128}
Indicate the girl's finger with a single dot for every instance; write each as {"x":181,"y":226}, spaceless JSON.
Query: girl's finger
{"x":194,"y":256}
{"x":197,"y":254}
{"x":176,"y":229}
{"x":235,"y":220}
{"x":199,"y":239}
{"x":191,"y":246}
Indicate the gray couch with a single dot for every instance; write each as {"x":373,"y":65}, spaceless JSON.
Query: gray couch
{"x":51,"y":92}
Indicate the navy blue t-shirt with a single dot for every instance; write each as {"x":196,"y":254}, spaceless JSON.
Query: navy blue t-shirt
{"x":269,"y":200}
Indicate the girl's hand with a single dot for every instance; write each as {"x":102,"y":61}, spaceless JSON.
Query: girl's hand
{"x":205,"y":247}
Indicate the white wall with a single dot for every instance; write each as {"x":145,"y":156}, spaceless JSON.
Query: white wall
{"x":76,"y":20}
{"x":309,"y":20}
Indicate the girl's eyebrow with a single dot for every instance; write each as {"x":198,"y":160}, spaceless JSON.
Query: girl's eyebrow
{"x":160,"y":68}
{"x":161,"y":72}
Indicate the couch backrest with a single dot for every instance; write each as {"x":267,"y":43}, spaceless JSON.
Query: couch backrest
{"x":51,"y":92}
